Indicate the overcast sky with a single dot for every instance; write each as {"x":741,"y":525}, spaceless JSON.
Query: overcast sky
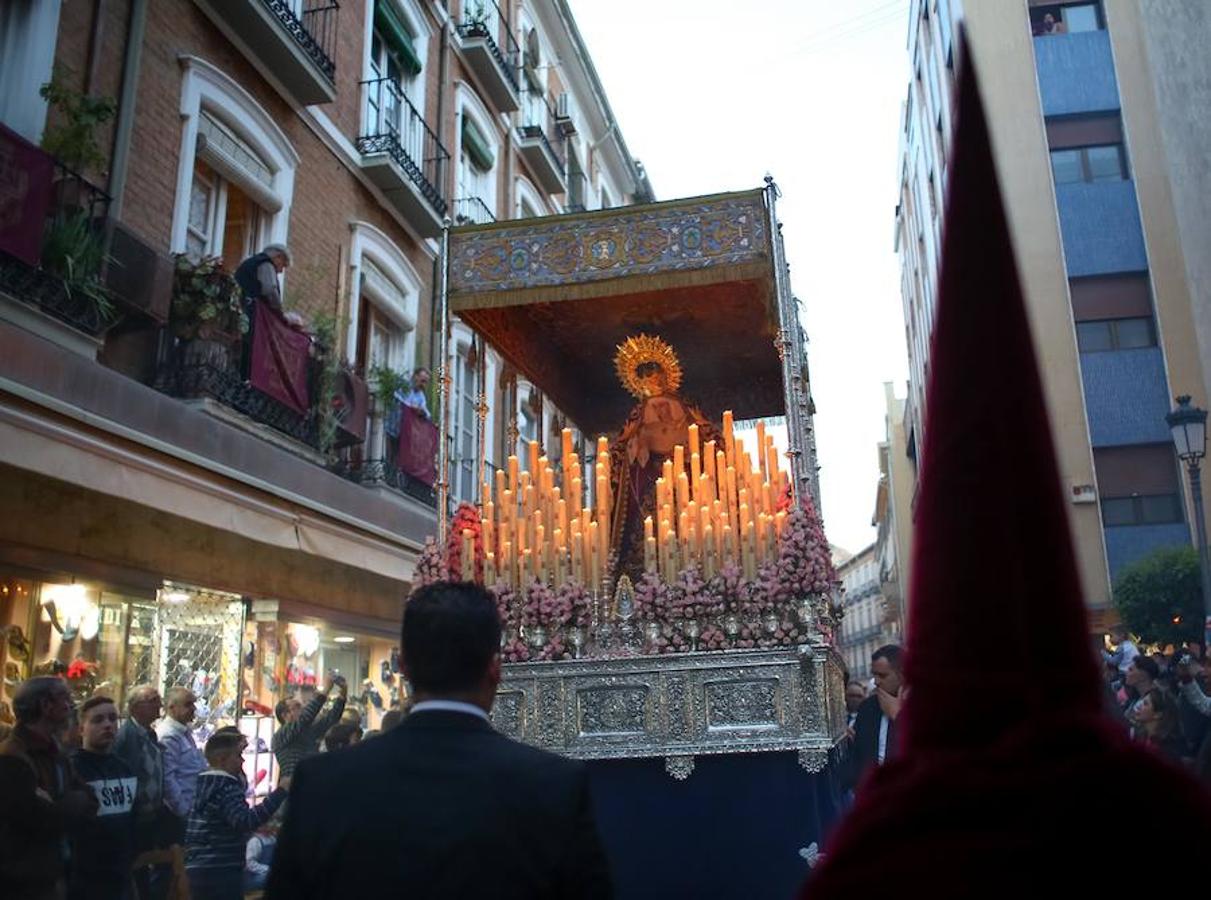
{"x":713,"y":94}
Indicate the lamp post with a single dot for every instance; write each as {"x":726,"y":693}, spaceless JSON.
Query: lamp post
{"x":1189,"y":427}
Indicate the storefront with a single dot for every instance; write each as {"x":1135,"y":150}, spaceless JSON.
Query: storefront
{"x":105,"y":637}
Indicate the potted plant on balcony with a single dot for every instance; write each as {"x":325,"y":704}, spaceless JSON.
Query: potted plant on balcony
{"x":207,"y":312}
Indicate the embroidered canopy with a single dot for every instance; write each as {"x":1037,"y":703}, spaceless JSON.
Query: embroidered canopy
{"x":557,"y":295}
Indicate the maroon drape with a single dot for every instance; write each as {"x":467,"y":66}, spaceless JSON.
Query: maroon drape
{"x":280,"y":357}
{"x":418,"y":438}
{"x":25,"y":185}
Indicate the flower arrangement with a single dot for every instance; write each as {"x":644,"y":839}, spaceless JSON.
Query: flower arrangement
{"x":466,"y":518}
{"x":431,"y":566}
{"x":206,"y":301}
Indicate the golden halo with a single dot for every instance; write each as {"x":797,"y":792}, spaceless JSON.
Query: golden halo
{"x":644,"y":349}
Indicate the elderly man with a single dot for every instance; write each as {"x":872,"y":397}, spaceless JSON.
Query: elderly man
{"x":42,"y":797}
{"x":102,"y":850}
{"x":138,"y":747}
{"x":257,"y":276}
{"x":183,"y":761}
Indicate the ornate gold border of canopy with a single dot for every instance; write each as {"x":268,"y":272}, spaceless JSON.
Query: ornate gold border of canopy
{"x":556,"y":295}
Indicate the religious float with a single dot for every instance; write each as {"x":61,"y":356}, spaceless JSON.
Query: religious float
{"x":664,"y":583}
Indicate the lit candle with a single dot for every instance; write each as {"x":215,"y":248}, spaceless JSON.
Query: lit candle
{"x":490,"y":526}
{"x":729,"y":439}
{"x":468,"y":557}
{"x":670,"y":556}
{"x":729,"y":542}
{"x":733,"y":502}
{"x":560,"y":572}
{"x":678,"y":460}
{"x":577,"y":555}
{"x":506,"y":562}
{"x":696,"y":474}
{"x":708,"y":460}
{"x":666,"y":472}
{"x":693,"y":439}
{"x":533,"y":457}
{"x":527,"y":566}
{"x":513,"y":474}
{"x":577,"y":495}
{"x":566,"y":436}
{"x":771,"y":462}
{"x":603,"y":450}
{"x":489,"y":568}
{"x":591,"y":561}
{"x":660,"y":488}
{"x":779,"y":522}
{"x":561,"y":511}
{"x":649,"y":554}
{"x":647,"y":527}
{"x":683,"y":491}
{"x":761,"y":445}
{"x":721,"y":477}
{"x":542,"y":553}
{"x":708,"y":551}
{"x":768,"y":498}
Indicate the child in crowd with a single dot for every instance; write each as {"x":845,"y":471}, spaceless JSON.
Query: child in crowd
{"x":221,"y":821}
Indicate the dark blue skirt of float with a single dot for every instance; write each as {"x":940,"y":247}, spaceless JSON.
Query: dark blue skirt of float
{"x":734,"y":828}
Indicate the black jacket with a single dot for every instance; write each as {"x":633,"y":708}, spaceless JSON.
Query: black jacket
{"x":103,"y":848}
{"x":440,"y":806}
{"x":864,"y":751}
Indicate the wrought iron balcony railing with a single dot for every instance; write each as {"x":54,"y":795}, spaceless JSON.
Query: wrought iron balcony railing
{"x":385,"y":472}
{"x":313,"y":25}
{"x":538,"y":121}
{"x":472,"y":210}
{"x":394,"y":127}
{"x":68,"y":282}
{"x":483,"y":19}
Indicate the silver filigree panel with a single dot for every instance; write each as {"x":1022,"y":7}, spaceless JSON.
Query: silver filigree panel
{"x":611,"y":710}
{"x":742,"y":704}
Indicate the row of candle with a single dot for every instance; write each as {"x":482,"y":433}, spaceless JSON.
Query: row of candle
{"x":542,"y":527}
{"x":724,"y":508}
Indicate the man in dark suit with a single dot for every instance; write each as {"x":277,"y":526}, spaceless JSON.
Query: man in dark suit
{"x":875,"y":723}
{"x":442,"y":805}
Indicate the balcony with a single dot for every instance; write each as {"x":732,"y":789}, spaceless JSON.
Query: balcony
{"x":472,"y":211}
{"x":1100,"y":224}
{"x":540,"y":144}
{"x":578,"y":189}
{"x":384,"y":473}
{"x":403,"y":156}
{"x":68,"y":272}
{"x":491,"y":51}
{"x":293,"y":42}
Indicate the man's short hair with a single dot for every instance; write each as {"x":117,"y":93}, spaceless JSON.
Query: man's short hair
{"x":175,"y":695}
{"x":139,"y":693}
{"x":27,"y":702}
{"x":280,"y":249}
{"x":856,"y":683}
{"x":451,"y":632}
{"x":893,"y":653}
{"x":221,"y":743}
{"x":281,"y":709}
{"x":340,"y":734}
{"x":391,"y":718}
{"x":1147,"y":666}
{"x":93,"y":702}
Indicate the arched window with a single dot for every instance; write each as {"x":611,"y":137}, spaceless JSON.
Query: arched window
{"x":529,"y":203}
{"x":235,"y":181}
{"x":478,"y":152}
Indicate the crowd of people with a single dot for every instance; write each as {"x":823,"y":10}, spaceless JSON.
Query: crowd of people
{"x":92,"y":799}
{"x":1161,"y":697}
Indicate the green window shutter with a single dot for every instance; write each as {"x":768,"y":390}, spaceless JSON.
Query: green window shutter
{"x":479,"y":151}
{"x":397,"y":35}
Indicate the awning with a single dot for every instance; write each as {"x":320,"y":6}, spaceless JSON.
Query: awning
{"x":397,"y":35}
{"x":479,"y":151}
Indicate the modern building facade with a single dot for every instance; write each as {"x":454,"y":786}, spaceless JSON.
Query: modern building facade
{"x":862,"y":627}
{"x":893,"y":518}
{"x":166,"y":518}
{"x":1094,"y":161}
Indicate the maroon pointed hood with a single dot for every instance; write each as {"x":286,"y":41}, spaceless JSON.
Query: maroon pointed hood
{"x":1009,"y":775}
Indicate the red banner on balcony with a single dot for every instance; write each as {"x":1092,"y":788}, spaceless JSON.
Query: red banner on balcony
{"x":280,"y":355}
{"x":417,"y":446}
{"x":25,"y":181}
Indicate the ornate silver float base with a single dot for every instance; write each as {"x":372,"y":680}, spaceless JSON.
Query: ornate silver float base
{"x":679,"y":706}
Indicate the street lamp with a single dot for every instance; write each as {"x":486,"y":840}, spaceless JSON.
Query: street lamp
{"x":1189,"y":427}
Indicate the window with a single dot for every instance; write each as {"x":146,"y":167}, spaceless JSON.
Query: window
{"x":223,"y":220}
{"x":477,"y":154}
{"x":1115,"y":334}
{"x":464,"y":423}
{"x":1065,"y":18}
{"x":1149,"y":509}
{"x":236,"y":176}
{"x":1089,"y":164}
